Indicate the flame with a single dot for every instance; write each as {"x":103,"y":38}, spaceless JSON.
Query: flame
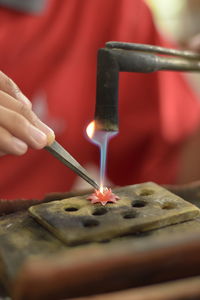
{"x":90,"y":129}
{"x":101,"y":189}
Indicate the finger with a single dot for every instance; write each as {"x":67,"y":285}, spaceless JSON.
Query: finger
{"x":9,"y":86}
{"x":12,"y":104}
{"x":10,"y":144}
{"x":18,"y":126}
{"x":2,"y":153}
{"x":194,"y":43}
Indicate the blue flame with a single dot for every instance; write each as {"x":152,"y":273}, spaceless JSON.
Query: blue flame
{"x":101,"y":138}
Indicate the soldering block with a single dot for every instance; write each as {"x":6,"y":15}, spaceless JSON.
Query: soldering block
{"x":141,"y":207}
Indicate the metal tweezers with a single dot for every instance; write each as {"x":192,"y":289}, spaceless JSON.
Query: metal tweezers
{"x":61,"y":154}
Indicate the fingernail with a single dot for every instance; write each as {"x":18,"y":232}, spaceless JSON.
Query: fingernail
{"x":39,"y":137}
{"x":46,"y":129}
{"x":50,"y":138}
{"x":19,"y":146}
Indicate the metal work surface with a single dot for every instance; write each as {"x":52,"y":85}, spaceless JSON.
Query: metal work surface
{"x":21,"y":236}
{"x":35,"y":264}
{"x":141,"y":207}
{"x":176,"y":290}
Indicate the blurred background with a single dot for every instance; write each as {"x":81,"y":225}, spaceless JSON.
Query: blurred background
{"x":178,"y":20}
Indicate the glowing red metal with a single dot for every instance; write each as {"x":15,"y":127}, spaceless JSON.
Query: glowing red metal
{"x":103,"y":197}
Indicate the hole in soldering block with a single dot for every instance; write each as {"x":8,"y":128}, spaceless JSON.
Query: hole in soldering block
{"x":71,"y":209}
{"x":146,"y":192}
{"x":100,"y":211}
{"x":138,"y":203}
{"x":129,"y":215}
{"x":90,"y":223}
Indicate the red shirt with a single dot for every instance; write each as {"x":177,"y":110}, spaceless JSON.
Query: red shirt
{"x":52,"y":57}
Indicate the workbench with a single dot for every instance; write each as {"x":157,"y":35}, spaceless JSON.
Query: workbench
{"x":160,"y":263}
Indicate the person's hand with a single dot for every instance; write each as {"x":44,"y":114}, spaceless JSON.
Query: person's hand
{"x":20,"y":128}
{"x":194,"y":43}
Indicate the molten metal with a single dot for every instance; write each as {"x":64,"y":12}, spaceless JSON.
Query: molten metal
{"x":103,"y":196}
